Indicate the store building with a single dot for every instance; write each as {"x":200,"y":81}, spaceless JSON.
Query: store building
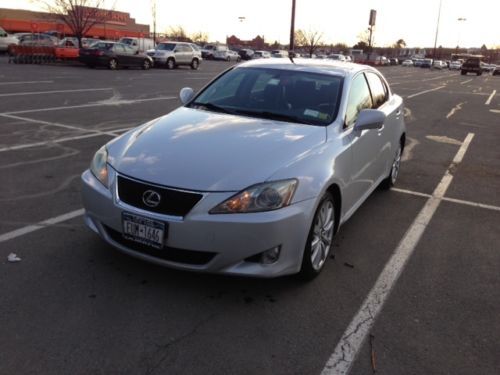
{"x":114,"y":25}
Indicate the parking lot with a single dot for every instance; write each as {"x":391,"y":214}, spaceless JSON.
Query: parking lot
{"x":413,"y":286}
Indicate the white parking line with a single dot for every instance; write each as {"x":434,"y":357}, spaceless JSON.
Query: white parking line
{"x":424,"y":92}
{"x":353,"y":338}
{"x":464,"y":82}
{"x":98,"y":104}
{"x":495,"y":110}
{"x":53,"y":92}
{"x":490,"y":97}
{"x":32,"y":228}
{"x":56,"y":124}
{"x":23,"y":83}
{"x":455,"y":109}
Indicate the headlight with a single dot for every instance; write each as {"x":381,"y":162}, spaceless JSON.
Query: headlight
{"x":267,"y":196}
{"x":99,"y":166}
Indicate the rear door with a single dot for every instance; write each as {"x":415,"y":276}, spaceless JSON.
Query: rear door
{"x":120,"y":55}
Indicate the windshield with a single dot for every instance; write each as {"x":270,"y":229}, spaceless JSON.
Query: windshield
{"x":102,"y":46}
{"x":126,"y":41}
{"x":283,"y":95}
{"x":166,"y":46}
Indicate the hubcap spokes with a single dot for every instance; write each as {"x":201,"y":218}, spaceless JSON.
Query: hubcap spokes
{"x":322,"y":235}
{"x":395,"y":166}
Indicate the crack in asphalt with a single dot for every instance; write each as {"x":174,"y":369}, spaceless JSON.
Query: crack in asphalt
{"x":152,"y":368}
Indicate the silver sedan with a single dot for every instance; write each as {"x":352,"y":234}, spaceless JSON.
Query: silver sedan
{"x":254,"y":174}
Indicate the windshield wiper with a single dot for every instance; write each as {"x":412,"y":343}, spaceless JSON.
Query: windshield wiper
{"x":276,"y":116}
{"x":213,"y":107}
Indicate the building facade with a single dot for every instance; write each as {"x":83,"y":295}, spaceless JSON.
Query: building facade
{"x":114,"y":26}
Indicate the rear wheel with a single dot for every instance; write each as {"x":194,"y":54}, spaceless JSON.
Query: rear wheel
{"x":195,"y":64}
{"x":170,"y":64}
{"x":113,"y":64}
{"x":146,"y":64}
{"x":228,"y":58}
{"x":463,"y":72}
{"x":320,"y":239}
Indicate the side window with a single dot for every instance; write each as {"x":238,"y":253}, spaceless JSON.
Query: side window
{"x":119,"y":48}
{"x":378,"y":89}
{"x":359,"y":98}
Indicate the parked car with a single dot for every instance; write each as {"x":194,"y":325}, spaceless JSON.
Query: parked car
{"x":38,"y":39}
{"x":261,"y":55}
{"x":279,"y":53}
{"x":418,"y":62}
{"x":455,"y":65}
{"x":232,"y":56}
{"x":204,"y":188}
{"x":426,"y":63}
{"x":496,"y":71}
{"x":138,"y":44}
{"x":113,"y":56}
{"x":407,"y":63}
{"x":73,"y":42}
{"x":487,"y":68}
{"x":246,"y":54}
{"x":393,"y":61}
{"x":6,"y":40}
{"x":173,"y":54}
{"x":438,"y":64}
{"x":471,"y":65}
{"x":336,"y":56}
{"x":207,"y":52}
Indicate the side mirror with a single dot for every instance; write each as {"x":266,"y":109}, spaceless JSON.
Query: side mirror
{"x":186,"y":95}
{"x":369,"y":119}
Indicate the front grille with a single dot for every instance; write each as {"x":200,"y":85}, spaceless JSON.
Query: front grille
{"x":173,"y":202}
{"x":192,"y":257}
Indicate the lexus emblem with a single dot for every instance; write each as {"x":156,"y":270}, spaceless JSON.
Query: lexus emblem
{"x":151,"y":198}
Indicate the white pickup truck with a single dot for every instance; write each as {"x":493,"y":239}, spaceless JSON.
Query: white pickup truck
{"x":6,"y":40}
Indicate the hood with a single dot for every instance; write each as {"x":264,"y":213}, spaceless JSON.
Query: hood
{"x":199,"y":150}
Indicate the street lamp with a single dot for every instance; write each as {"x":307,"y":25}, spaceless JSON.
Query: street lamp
{"x":437,"y":30}
{"x":460,"y":19}
{"x":292,"y":28}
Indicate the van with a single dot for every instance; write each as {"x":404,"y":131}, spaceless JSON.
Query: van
{"x":138,"y":44}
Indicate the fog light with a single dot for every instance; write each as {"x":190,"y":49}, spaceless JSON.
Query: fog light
{"x":270,"y":256}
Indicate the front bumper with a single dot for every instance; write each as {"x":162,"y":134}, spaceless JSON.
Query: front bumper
{"x":219,"y":243}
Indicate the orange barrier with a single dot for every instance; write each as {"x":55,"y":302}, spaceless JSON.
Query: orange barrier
{"x":67,"y":53}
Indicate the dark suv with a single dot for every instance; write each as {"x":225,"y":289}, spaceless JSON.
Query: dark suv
{"x":472,"y":65}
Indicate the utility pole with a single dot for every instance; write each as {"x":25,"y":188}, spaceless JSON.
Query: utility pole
{"x":371,"y":23}
{"x":153,"y":13}
{"x":437,"y":30}
{"x":292,"y":28}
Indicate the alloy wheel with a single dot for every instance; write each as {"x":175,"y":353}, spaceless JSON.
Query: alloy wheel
{"x":322,"y":236}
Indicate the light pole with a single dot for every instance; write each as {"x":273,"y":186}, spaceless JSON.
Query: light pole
{"x":437,"y":30}
{"x":292,"y":28}
{"x":460,"y":19}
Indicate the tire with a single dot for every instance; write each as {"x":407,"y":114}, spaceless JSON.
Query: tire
{"x":170,"y":64}
{"x":320,"y":238}
{"x":113,"y":64}
{"x":91,"y":66}
{"x":146,"y":64}
{"x":195,"y":64}
{"x":228,"y":59}
{"x":390,"y":180}
{"x":479,"y":73}
{"x":238,"y":59}
{"x":463,"y":72}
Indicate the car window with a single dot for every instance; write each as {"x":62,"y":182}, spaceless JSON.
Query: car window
{"x":377,"y":88}
{"x":359,"y":99}
{"x":166,"y":46}
{"x":296,"y":96}
{"x":119,"y":48}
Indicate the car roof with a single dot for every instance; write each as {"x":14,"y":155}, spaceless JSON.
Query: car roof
{"x":323,"y":66}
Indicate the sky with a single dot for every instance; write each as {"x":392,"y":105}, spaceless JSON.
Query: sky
{"x":339,"y":21}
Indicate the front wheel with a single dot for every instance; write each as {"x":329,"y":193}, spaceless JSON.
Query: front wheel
{"x":170,"y":64}
{"x":113,"y":64}
{"x":390,"y":180}
{"x":463,"y":72}
{"x":320,"y":239}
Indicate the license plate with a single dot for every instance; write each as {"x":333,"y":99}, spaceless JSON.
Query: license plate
{"x":143,"y":230}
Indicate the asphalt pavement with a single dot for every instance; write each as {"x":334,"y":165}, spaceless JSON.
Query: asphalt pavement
{"x":74,"y":305}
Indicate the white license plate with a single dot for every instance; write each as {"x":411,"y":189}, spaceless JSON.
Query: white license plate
{"x":143,"y":230}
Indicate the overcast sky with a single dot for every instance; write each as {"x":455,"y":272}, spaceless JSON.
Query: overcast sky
{"x":340,"y":21}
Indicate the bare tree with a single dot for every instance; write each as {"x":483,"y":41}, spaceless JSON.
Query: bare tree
{"x":310,"y":40}
{"x":79,"y":15}
{"x":177,"y":33}
{"x":199,"y":37}
{"x":400,"y":43}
